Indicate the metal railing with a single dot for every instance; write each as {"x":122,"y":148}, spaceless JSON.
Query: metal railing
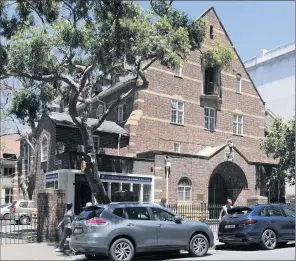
{"x":13,"y":232}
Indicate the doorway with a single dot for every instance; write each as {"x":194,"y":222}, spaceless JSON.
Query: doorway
{"x":82,"y":193}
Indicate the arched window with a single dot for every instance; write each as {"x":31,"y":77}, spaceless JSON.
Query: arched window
{"x":44,"y":149}
{"x":238,"y":83}
{"x":184,"y":190}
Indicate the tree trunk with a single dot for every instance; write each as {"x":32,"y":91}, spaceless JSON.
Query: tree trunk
{"x":32,"y":174}
{"x":90,"y":168}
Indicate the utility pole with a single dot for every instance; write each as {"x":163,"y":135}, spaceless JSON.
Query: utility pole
{"x":167,"y":173}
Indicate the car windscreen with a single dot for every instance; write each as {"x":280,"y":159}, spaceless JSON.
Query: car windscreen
{"x":242,"y":211}
{"x":90,"y":213}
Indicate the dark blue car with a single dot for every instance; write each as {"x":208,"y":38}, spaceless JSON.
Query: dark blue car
{"x":269,"y":225}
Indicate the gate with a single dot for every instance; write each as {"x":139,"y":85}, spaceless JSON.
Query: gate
{"x":12,"y":232}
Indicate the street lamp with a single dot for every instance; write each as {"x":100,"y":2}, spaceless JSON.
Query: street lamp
{"x":167,"y":171}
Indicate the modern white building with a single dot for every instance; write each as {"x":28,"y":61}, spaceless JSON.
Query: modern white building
{"x":273,"y":73}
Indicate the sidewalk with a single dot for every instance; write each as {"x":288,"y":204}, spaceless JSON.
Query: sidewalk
{"x":41,"y":251}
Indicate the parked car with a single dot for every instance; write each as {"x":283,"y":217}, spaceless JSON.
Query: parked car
{"x":5,"y":211}
{"x":268,"y":225}
{"x":119,"y":230}
{"x":21,"y":211}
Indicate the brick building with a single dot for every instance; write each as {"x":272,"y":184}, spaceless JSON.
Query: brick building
{"x":194,"y":134}
{"x":187,"y":116}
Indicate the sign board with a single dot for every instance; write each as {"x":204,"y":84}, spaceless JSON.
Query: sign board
{"x":53,"y":176}
{"x":125,"y":178}
{"x":200,"y":197}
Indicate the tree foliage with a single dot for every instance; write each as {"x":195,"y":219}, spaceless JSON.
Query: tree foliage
{"x":280,"y":144}
{"x":67,"y":46}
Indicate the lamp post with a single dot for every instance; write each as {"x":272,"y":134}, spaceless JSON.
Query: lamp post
{"x":167,"y":172}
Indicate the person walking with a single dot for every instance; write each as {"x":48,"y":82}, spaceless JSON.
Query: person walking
{"x":225,"y":208}
{"x":65,"y":224}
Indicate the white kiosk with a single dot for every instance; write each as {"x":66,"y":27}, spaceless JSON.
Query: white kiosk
{"x":78,"y":191}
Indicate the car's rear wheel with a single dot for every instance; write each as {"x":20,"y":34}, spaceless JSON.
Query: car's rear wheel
{"x":198,"y":246}
{"x":268,"y":239}
{"x":122,"y":249}
{"x":24,"y":220}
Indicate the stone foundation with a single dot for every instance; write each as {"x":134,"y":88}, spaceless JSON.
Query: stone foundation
{"x":51,"y":209}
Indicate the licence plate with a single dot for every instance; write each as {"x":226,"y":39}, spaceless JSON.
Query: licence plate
{"x":77,"y":231}
{"x":229,"y":226}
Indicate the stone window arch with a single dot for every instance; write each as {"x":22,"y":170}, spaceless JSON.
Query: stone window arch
{"x":44,"y":149}
{"x":184,"y":190}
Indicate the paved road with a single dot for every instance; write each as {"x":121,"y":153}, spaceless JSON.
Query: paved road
{"x":46,"y":252}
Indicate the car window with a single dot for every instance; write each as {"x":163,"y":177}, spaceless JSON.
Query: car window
{"x":119,"y":212}
{"x":289,"y":212}
{"x":90,"y":213}
{"x":23,"y":204}
{"x":30,"y":205}
{"x":274,"y":211}
{"x":263,"y":212}
{"x":138,"y":213}
{"x":160,"y":214}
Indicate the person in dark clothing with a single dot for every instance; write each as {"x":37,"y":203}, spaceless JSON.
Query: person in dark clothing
{"x":66,"y":226}
{"x":163,"y":202}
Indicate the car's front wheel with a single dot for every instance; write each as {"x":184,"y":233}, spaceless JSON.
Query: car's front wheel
{"x":122,"y":249}
{"x":198,"y":246}
{"x":268,"y":239}
{"x":6,"y":216}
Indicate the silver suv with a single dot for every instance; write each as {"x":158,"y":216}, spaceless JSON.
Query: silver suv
{"x":21,"y":211}
{"x":119,"y":230}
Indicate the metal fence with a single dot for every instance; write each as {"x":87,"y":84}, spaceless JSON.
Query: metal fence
{"x":208,"y":214}
{"x":12,"y":232}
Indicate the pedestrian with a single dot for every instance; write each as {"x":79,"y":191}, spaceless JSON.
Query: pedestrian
{"x":65,"y":224}
{"x":225,"y":208}
{"x":163,"y":202}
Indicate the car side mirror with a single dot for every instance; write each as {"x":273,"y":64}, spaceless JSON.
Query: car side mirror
{"x":178,"y":220}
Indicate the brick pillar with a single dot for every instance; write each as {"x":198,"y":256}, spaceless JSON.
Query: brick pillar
{"x":51,"y":209}
{"x":15,"y":187}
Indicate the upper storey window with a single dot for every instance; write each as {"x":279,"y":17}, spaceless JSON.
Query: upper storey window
{"x":211,"y":32}
{"x":212,"y":81}
{"x":238,"y":87}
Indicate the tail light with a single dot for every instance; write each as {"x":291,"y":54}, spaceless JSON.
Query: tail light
{"x":14,"y":210}
{"x":250,"y":221}
{"x":95,"y":222}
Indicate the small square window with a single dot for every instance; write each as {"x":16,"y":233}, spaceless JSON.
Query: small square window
{"x":178,"y":71}
{"x":177,"y":147}
{"x":210,"y":118}
{"x":238,"y":124}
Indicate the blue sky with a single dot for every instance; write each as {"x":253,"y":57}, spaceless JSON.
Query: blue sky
{"x":251,"y":25}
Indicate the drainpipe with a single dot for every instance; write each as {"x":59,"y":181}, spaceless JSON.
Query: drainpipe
{"x":118,"y":145}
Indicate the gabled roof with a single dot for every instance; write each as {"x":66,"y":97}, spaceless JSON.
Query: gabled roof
{"x":222,"y":26}
{"x":107,"y":126}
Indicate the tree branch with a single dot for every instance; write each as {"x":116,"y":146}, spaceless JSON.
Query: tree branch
{"x":149,"y":64}
{"x":45,"y":78}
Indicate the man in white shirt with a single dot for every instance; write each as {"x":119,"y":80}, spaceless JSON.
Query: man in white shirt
{"x":225,"y":209}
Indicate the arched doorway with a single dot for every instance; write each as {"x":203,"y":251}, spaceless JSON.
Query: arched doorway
{"x":227,"y":181}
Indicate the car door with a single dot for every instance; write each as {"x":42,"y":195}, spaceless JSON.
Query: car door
{"x":169,"y":233}
{"x":277,"y":221}
{"x":141,"y":227}
{"x":289,"y":213}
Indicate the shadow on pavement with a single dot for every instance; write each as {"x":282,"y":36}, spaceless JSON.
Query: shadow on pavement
{"x":151,"y":256}
{"x":248,"y":248}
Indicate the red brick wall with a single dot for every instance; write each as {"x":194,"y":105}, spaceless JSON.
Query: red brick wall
{"x":51,"y":209}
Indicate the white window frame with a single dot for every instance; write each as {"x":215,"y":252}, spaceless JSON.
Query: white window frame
{"x":184,"y":190}
{"x":96,"y":141}
{"x":44,"y":156}
{"x":238,"y":86}
{"x":178,"y":150}
{"x":178,"y":71}
{"x":237,"y":122}
{"x":177,"y":111}
{"x":121,"y":116}
{"x":209,"y":118}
